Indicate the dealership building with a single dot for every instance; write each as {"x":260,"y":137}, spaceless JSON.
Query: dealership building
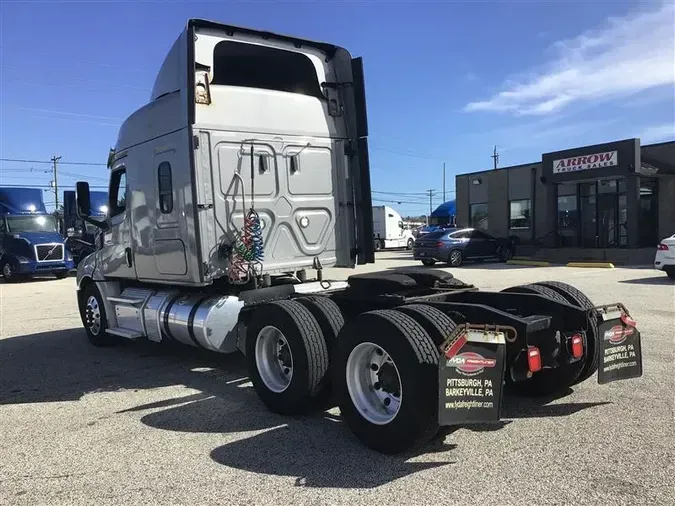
{"x":611,"y":202}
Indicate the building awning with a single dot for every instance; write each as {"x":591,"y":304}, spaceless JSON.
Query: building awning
{"x":658,"y":158}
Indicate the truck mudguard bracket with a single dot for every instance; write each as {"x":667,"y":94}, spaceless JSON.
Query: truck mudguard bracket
{"x":620,"y":345}
{"x":471,"y":374}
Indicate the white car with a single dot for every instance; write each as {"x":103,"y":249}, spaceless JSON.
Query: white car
{"x":665,"y":256}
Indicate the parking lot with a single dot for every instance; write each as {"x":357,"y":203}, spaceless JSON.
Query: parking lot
{"x":144,"y":424}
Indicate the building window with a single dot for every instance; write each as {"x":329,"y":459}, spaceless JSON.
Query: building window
{"x":479,"y":215}
{"x":165,"y":188}
{"x":648,"y":213}
{"x":520,"y":214}
{"x":567,"y":212}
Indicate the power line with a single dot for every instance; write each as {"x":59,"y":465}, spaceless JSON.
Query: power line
{"x":17,"y":160}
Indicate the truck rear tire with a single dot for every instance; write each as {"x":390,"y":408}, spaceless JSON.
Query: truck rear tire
{"x":92,"y":313}
{"x":329,"y":317}
{"x":434,"y":321}
{"x":385,"y":376}
{"x":546,"y":381}
{"x":577,"y":298}
{"x":287,"y":356}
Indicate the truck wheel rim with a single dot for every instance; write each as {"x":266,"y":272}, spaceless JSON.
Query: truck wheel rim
{"x":455,"y":257}
{"x":374,"y":383}
{"x":93,"y":315}
{"x":274,"y":359}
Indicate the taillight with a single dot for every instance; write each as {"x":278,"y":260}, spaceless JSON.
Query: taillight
{"x":439,"y":244}
{"x":577,"y":346}
{"x":662,"y":247}
{"x":533,"y":359}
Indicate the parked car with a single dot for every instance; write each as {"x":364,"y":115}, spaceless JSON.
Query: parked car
{"x":455,"y":245}
{"x":665,"y":256}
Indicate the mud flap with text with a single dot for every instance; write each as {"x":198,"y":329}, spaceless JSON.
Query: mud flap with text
{"x":620,"y":353}
{"x":471,"y":375}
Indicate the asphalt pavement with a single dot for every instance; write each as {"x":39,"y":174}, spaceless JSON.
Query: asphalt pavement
{"x":146,"y":424}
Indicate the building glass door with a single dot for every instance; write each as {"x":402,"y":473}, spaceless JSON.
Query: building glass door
{"x":608,"y":207}
{"x":587,"y":200}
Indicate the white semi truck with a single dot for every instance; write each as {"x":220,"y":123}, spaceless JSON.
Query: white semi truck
{"x":389,"y":231}
{"x":248,"y":168}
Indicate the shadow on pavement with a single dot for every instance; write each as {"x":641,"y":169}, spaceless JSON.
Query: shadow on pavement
{"x":61,"y":365}
{"x":660,"y":280}
{"x":320,"y":454}
{"x":318,"y":450}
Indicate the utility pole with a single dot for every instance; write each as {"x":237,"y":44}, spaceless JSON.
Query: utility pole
{"x":495,"y":157}
{"x":431,"y":192}
{"x":444,"y":182}
{"x":54,"y":160}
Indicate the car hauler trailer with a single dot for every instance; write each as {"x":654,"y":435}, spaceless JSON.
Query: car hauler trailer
{"x":30,"y":243}
{"x":249,"y":167}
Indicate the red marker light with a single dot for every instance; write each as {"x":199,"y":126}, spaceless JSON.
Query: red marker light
{"x":577,"y":346}
{"x":454,"y":348}
{"x":627,"y":320}
{"x":533,"y":359}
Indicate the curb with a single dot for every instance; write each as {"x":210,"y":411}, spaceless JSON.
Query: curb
{"x":533,"y":263}
{"x":599,"y":265}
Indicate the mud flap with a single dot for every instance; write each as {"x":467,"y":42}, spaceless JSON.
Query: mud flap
{"x":620,"y":353}
{"x":471,"y":375}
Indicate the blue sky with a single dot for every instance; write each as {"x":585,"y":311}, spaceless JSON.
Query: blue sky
{"x":445,"y":81}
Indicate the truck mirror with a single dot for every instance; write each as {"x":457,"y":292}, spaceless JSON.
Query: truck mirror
{"x":83,"y":199}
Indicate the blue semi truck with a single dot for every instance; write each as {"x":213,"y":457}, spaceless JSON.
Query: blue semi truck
{"x":80,"y":236}
{"x":444,"y":216}
{"x":30,"y":242}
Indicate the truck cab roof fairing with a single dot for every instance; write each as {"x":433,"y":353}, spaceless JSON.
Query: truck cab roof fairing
{"x":176,"y":72}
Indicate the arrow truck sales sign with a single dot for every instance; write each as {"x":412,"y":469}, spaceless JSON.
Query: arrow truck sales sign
{"x":585,"y":162}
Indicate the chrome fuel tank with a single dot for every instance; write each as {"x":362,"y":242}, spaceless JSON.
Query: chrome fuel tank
{"x":203,"y":321}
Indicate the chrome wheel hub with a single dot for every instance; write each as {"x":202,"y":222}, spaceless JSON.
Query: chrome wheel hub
{"x":374,"y":383}
{"x":274,"y":359}
{"x":92,"y":315}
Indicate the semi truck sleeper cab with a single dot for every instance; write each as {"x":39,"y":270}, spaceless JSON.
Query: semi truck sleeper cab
{"x":247,"y":170}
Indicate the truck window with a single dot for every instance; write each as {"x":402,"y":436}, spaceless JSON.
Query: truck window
{"x":268,"y":68}
{"x":165,"y":188}
{"x":118,"y":192}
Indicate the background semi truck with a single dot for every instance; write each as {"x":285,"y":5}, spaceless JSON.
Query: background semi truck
{"x":79,"y":235}
{"x":232,"y":183}
{"x":30,"y":240}
{"x":389,"y":231}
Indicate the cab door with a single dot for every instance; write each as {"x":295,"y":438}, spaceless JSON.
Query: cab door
{"x":116,"y":255}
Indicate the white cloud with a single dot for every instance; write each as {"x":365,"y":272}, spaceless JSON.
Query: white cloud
{"x":658,"y":133}
{"x":628,"y":55}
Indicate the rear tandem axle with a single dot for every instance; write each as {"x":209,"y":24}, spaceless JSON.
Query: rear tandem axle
{"x":403,"y":354}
